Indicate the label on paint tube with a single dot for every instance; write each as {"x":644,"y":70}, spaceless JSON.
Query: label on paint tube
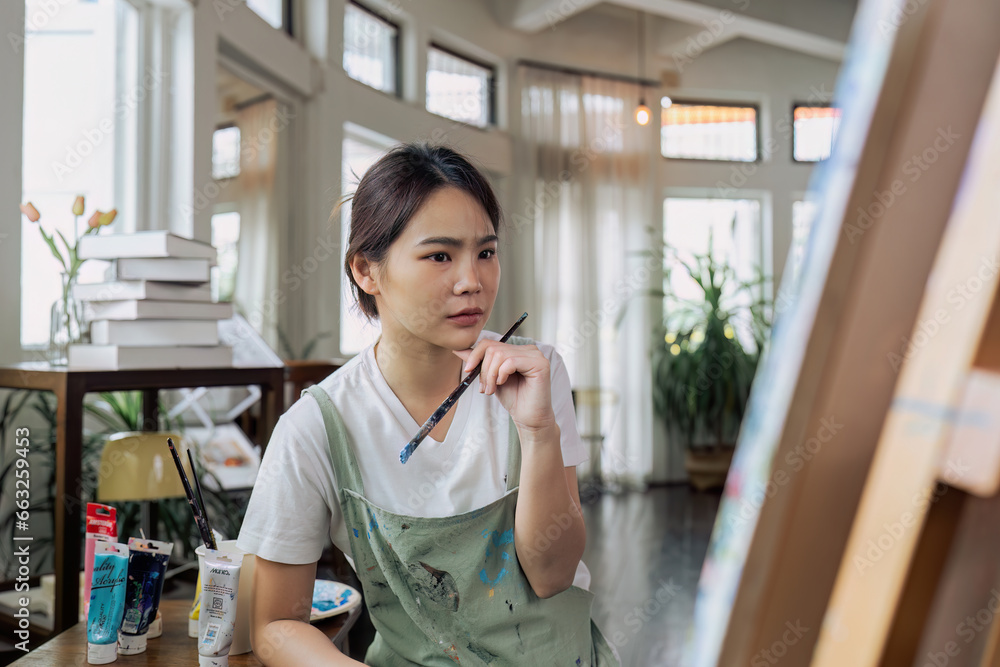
{"x":102,"y":522}
{"x":211,"y":637}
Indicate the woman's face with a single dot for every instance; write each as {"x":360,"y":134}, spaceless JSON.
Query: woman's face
{"x":441,"y":275}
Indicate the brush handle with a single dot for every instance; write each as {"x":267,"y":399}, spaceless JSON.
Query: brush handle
{"x":206,"y":534}
{"x":201,"y":499}
{"x":453,"y":397}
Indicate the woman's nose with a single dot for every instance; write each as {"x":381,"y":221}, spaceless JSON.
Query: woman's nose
{"x":467,"y":281}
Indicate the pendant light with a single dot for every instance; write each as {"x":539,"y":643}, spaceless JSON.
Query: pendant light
{"x":642,"y":113}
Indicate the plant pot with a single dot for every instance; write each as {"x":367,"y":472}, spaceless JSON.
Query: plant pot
{"x":707,"y":467}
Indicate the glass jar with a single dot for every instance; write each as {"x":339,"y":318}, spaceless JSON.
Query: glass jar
{"x":66,"y":323}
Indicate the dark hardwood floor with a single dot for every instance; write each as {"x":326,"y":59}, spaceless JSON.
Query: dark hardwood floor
{"x":645,"y":552}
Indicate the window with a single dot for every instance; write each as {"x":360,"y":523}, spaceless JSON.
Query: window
{"x":708,"y":131}
{"x":82,"y":91}
{"x":272,"y":11}
{"x":459,"y":88}
{"x":226,"y":152}
{"x":359,"y":153}
{"x":814,"y":129}
{"x":734,"y":227}
{"x":225,"y":238}
{"x":371,"y":48}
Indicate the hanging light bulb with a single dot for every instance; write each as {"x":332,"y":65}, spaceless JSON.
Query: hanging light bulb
{"x":642,"y":113}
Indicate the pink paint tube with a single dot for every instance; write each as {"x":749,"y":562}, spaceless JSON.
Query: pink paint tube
{"x":102,"y":524}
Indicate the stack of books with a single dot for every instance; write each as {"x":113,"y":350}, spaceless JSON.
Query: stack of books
{"x":155,"y":308}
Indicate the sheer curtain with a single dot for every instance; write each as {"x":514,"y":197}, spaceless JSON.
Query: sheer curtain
{"x":258,"y":204}
{"x":585,"y":187}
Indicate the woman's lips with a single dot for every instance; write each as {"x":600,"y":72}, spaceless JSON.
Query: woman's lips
{"x":466,"y":319}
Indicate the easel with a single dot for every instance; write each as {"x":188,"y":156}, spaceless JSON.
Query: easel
{"x":871,"y":300}
{"x":944,"y":426}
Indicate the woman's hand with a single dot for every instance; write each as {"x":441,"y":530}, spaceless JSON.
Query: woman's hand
{"x":519,"y":376}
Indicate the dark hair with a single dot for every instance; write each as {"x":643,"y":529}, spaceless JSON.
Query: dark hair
{"x":392,"y":191}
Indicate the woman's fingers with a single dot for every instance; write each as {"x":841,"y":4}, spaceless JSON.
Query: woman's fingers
{"x":499,"y":361}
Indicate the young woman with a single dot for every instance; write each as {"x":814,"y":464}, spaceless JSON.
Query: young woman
{"x":470,"y":552}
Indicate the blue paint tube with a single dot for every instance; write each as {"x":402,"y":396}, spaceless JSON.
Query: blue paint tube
{"x":107,"y":602}
{"x":147,"y":563}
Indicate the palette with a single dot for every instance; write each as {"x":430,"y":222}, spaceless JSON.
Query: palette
{"x":331,"y":598}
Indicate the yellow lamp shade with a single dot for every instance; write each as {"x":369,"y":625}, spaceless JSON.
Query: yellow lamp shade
{"x":138,"y":466}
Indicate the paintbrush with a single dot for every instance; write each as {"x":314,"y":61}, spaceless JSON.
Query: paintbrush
{"x":206,"y":534}
{"x":201,"y":499}
{"x":433,"y":420}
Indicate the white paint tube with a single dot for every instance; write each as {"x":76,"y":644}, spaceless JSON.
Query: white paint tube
{"x":220,"y":581}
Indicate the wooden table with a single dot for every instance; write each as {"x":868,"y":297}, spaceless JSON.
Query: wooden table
{"x":70,"y":388}
{"x":173,"y":649}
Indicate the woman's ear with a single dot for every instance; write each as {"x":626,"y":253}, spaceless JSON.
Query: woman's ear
{"x":364,"y":274}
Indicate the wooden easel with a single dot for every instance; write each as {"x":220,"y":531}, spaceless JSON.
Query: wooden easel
{"x":874,"y":299}
{"x":931,"y":595}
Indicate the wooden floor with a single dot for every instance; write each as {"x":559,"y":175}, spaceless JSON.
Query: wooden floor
{"x":645,"y":552}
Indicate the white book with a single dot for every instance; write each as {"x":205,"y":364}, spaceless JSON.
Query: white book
{"x":136,"y":309}
{"x":117,"y":290}
{"x":158,"y":243}
{"x":167,"y":269}
{"x":147,"y":333}
{"x":121,"y":358}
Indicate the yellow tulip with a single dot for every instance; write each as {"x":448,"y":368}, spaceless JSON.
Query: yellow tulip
{"x":78,"y":205}
{"x":109,"y":217}
{"x":95,"y":220}
{"x":30,"y":212}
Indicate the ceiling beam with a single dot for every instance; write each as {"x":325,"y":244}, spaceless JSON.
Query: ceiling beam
{"x":534,"y":15}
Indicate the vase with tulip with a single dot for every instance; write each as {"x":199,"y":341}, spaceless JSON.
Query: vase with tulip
{"x":67,"y":324}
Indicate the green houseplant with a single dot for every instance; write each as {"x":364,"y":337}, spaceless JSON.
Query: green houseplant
{"x":705,"y":361}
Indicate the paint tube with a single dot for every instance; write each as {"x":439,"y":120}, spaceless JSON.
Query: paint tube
{"x":101,"y":524}
{"x":107,"y":602}
{"x":220,"y":578}
{"x":195,"y":609}
{"x":196,"y":605}
{"x":147,"y":564}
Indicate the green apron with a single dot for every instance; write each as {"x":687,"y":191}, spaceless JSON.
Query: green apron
{"x":449,"y":590}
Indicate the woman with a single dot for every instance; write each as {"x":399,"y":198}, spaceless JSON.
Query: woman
{"x":469,"y":553}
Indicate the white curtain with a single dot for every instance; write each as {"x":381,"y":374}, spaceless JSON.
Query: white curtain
{"x":259,"y":199}
{"x":584,"y":172}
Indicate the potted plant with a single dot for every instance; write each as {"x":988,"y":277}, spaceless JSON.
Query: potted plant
{"x":705,"y":361}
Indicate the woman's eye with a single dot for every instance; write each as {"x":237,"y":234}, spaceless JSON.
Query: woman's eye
{"x":487,"y":254}
{"x":438,"y":257}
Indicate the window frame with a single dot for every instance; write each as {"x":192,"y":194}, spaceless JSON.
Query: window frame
{"x":396,"y":44}
{"x":491,"y":84}
{"x":756,"y":106}
{"x":765,"y":229}
{"x":809,"y":105}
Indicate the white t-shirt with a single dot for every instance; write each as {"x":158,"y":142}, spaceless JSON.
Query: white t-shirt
{"x":295,"y":494}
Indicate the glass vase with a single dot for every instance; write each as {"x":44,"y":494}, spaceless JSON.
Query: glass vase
{"x":66,"y":323}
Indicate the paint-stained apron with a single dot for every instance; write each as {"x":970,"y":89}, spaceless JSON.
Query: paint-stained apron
{"x":450,"y":590}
